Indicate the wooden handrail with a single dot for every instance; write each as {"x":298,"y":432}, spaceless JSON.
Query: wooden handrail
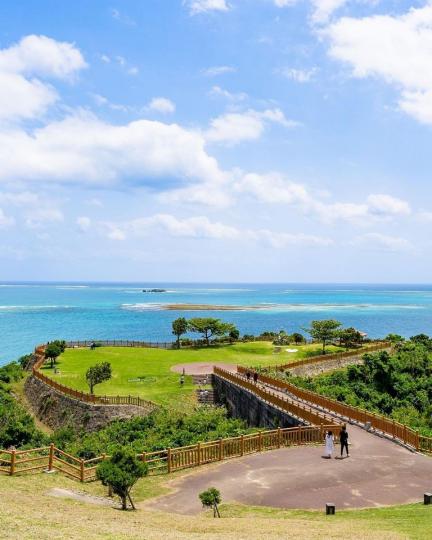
{"x":377,"y":421}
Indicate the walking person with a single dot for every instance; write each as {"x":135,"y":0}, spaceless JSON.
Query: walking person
{"x":248,"y":375}
{"x":343,"y":437}
{"x":329,"y":444}
{"x":255,"y":377}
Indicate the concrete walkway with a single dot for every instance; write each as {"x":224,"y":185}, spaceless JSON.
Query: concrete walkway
{"x":378,"y":472}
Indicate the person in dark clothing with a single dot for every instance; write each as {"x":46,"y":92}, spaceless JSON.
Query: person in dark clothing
{"x":248,"y":375}
{"x":255,"y":377}
{"x":343,"y":437}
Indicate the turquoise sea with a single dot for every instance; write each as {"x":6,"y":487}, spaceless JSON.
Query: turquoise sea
{"x":31,"y":313}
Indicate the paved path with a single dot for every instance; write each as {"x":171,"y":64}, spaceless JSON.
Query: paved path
{"x":202,"y":368}
{"x":378,"y":472}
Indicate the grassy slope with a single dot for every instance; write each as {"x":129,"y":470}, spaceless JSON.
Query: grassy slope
{"x":160,"y":384}
{"x":27,"y":512}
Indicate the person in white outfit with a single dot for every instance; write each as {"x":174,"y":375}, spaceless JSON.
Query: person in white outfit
{"x":329,"y":444}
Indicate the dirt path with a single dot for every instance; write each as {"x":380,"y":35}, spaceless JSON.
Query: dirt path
{"x":81,"y":496}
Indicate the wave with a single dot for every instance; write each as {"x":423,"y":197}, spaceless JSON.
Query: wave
{"x":146,"y":306}
{"x":34,"y":308}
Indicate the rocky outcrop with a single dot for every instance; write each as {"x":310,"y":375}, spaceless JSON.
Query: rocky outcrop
{"x":58,"y":410}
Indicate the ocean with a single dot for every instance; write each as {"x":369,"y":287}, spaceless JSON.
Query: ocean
{"x":32,"y":313}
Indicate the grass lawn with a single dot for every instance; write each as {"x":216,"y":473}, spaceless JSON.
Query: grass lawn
{"x":152,"y":366}
{"x":28,"y":512}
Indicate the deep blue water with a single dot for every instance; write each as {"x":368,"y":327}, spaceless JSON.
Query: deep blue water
{"x":32,"y":313}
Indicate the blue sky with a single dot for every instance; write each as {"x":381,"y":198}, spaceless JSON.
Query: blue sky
{"x":216,"y":140}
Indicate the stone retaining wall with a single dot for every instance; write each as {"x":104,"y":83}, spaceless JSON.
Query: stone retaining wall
{"x":58,"y":410}
{"x":246,"y":406}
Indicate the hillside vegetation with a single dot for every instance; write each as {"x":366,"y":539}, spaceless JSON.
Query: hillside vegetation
{"x":398,"y":385}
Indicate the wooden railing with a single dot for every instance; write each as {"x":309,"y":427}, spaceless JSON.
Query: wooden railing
{"x":377,"y":421}
{"x":51,"y":458}
{"x":302,"y":412}
{"x":335,"y":356}
{"x":121,"y":343}
{"x":84,"y":396}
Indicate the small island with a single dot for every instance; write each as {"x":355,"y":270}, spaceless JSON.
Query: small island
{"x":154,"y":290}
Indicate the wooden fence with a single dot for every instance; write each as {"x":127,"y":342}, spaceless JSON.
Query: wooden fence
{"x":51,"y":458}
{"x":294,"y":409}
{"x":84,"y":396}
{"x":335,"y":356}
{"x":377,"y":421}
{"x":122,"y":343}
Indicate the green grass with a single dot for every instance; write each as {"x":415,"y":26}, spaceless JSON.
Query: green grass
{"x":153,"y":366}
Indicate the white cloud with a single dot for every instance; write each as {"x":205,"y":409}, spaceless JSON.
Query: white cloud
{"x":5,"y":221}
{"x":121,"y":17}
{"x":202,"y":227}
{"x":232,"y":128}
{"x":381,"y":242}
{"x":133,"y":70}
{"x":38,"y":216}
{"x":322,"y":10}
{"x":84,"y":223}
{"x":298,"y":75}
{"x":42,"y":56}
{"x":21,"y":94}
{"x":218,"y":70}
{"x":84,"y":149}
{"x":161,"y":105}
{"x":217,"y":91}
{"x":204,"y":6}
{"x":272,"y":188}
{"x":397,"y":49}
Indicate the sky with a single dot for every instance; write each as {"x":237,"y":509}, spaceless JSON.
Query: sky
{"x":216,"y":140}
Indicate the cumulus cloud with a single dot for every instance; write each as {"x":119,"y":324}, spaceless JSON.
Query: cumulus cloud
{"x":161,"y":105}
{"x":232,"y":128}
{"x":22,"y":95}
{"x":274,"y":188}
{"x":395,"y":48}
{"x":202,"y":227}
{"x":204,"y":6}
{"x":84,"y":149}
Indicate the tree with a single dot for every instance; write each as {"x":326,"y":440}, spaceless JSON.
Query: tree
{"x":349,"y":337}
{"x":209,"y":327}
{"x":52,"y":352}
{"x":179,"y":327}
{"x":297,"y":338}
{"x":121,"y":472}
{"x":324,"y":331}
{"x":234,"y":334}
{"x":211,"y":498}
{"x":97,"y":374}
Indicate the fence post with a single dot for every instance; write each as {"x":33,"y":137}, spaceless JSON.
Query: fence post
{"x":199,"y":454}
{"x":81,"y":470}
{"x":404,"y":434}
{"x":394,"y":429}
{"x":169,"y":460}
{"x":417,"y":440}
{"x":242,"y":445}
{"x":51,"y":457}
{"x":279,"y":437}
{"x":144,"y":457}
{"x":12,"y":463}
{"x":260,"y":441}
{"x":220,"y":449}
{"x":321,"y":432}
